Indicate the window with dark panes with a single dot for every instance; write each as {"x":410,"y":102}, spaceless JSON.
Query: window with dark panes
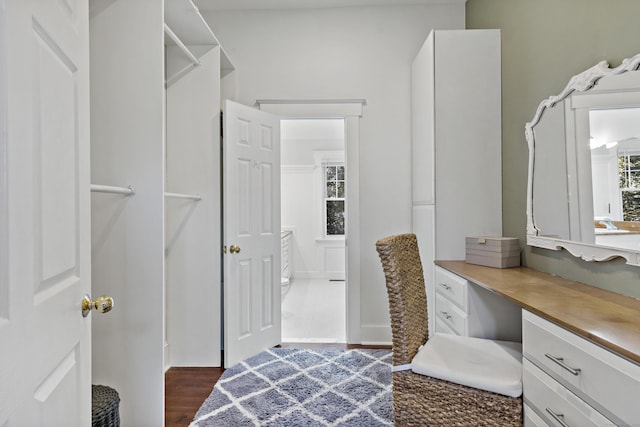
{"x":629,"y":172}
{"x":334,"y":196}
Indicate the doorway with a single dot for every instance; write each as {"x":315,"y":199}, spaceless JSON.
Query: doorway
{"x":351,"y":110}
{"x":313,"y":212}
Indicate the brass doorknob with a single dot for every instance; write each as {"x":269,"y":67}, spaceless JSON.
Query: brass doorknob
{"x":102,"y":304}
{"x":234,"y":249}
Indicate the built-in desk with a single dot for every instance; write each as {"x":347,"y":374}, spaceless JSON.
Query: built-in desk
{"x":609,"y":319}
{"x":565,"y":375}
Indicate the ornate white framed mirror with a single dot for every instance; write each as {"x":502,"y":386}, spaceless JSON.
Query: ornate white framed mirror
{"x":583,"y":190}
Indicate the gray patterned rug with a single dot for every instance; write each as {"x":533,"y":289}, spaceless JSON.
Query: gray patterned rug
{"x":295,"y":387}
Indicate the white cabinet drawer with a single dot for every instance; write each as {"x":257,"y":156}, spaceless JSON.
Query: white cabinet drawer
{"x":451,"y":315}
{"x":443,"y":328}
{"x":531,"y":419}
{"x":554,"y":403}
{"x":453,"y":287}
{"x":603,"y":379}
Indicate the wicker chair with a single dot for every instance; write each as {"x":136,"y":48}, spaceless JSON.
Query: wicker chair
{"x":419,"y":400}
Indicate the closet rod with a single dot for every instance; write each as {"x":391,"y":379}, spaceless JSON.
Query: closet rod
{"x":181,"y":45}
{"x":195,"y":197}
{"x":127,"y":191}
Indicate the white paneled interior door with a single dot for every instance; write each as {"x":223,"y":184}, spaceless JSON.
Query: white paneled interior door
{"x":45,"y":343}
{"x":251,"y":221}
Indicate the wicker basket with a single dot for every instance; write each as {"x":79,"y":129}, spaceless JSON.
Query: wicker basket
{"x":105,"y":407}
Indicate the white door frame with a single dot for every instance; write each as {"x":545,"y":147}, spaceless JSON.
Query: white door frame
{"x":350,"y":110}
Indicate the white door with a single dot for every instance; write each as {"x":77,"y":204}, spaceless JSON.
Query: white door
{"x":45,"y":347}
{"x":251,"y":226}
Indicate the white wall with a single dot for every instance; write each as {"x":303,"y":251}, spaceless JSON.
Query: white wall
{"x":300,"y":137}
{"x":127,"y":233}
{"x":192,"y":229}
{"x":311,"y":256}
{"x":296,"y":210}
{"x":346,"y":53}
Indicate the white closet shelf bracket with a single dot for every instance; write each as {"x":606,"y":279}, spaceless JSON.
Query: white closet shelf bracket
{"x":181,"y":45}
{"x":194,"y":197}
{"x":126,"y":191}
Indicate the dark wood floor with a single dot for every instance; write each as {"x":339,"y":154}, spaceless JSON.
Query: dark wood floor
{"x":184,"y":391}
{"x":187,"y":388}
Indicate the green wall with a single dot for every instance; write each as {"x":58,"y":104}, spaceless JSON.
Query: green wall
{"x":545,"y":43}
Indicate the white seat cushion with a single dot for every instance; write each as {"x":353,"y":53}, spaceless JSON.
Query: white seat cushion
{"x":475,"y":362}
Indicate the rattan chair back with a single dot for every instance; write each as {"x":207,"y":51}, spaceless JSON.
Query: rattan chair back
{"x":407,"y":295}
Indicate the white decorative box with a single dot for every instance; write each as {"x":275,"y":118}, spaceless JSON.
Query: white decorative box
{"x":499,"y":252}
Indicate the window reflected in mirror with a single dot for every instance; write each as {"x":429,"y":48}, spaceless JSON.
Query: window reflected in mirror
{"x":615,"y":169}
{"x":615,"y":164}
{"x":629,"y":171}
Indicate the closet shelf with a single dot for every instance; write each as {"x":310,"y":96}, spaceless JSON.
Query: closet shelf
{"x":169,"y":32}
{"x":194,"y":197}
{"x":187,"y":38}
{"x":185,"y":19}
{"x":226,"y":66}
{"x":126,"y":191}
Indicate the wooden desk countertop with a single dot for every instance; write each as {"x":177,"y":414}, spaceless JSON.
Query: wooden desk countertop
{"x":609,"y":319}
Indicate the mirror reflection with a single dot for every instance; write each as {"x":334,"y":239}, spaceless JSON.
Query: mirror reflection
{"x":551,"y":194}
{"x":584,"y":166}
{"x":615,"y":168}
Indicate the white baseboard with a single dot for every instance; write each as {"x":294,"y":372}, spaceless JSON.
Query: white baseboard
{"x":309,"y":275}
{"x":167,"y":363}
{"x":375,"y":335}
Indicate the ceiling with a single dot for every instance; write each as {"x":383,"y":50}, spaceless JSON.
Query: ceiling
{"x":205,"y":5}
{"x":613,"y":125}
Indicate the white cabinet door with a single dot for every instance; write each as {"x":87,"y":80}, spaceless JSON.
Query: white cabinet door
{"x":251,"y":221}
{"x":423,"y":124}
{"x":456,"y":160}
{"x":45,"y":361}
{"x":467,"y":139}
{"x":424,"y":228}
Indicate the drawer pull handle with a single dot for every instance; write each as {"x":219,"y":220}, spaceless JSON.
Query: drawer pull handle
{"x":445,"y":286}
{"x":560,"y":361}
{"x":558,"y":417}
{"x":446,"y":315}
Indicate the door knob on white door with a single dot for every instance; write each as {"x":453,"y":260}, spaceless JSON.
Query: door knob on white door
{"x":102,"y":304}
{"x":234,"y":249}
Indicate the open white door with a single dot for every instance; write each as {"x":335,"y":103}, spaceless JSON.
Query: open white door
{"x":251,"y":226}
{"x":45,"y":343}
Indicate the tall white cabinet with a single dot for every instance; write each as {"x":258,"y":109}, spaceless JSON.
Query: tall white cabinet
{"x":456,"y":145}
{"x":156,"y":77}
